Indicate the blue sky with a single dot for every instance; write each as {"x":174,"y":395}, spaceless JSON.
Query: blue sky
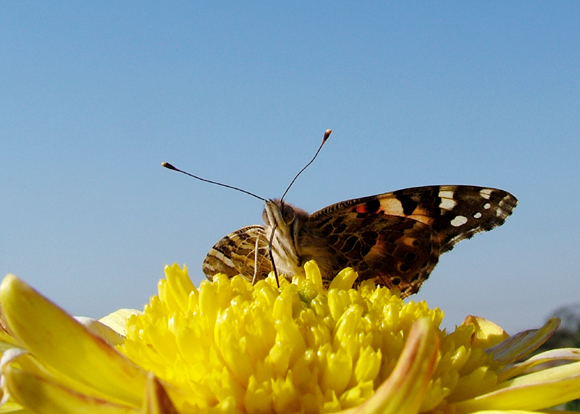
{"x":95,"y":95}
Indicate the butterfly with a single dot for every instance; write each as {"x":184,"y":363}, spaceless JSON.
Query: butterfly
{"x":394,"y":239}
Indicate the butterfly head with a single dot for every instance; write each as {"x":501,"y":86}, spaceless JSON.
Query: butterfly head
{"x":284,"y":224}
{"x":280,"y":213}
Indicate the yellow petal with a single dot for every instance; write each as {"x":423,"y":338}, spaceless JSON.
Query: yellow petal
{"x":101,"y":330}
{"x":7,"y":341}
{"x":344,"y":279}
{"x":179,"y":287}
{"x":524,"y":412}
{"x":313,"y":272}
{"x":561,"y":354}
{"x":59,"y":341}
{"x":523,"y":343}
{"x":13,"y":408}
{"x":534,"y":391}
{"x":27,"y":362}
{"x":156,"y":399}
{"x":117,"y":320}
{"x":404,"y":390}
{"x":46,"y":397}
{"x":487,"y":333}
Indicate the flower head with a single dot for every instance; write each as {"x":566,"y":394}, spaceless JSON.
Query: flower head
{"x":230,"y":346}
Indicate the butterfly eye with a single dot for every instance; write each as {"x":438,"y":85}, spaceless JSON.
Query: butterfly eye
{"x":288,"y":214}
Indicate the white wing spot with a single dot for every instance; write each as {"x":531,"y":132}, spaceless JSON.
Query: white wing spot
{"x":500,"y":211}
{"x":447,"y":203}
{"x":446,"y":194}
{"x":486,"y":193}
{"x":487,"y":206}
{"x":222,"y":258}
{"x":477,"y":215}
{"x":458,"y":221}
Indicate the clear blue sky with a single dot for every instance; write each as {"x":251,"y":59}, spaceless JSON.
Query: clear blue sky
{"x":94,"y":95}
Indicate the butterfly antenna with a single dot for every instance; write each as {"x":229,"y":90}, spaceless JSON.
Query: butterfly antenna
{"x":326,"y":135}
{"x":171,"y":167}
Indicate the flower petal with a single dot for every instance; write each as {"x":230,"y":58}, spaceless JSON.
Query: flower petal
{"x":61,"y":342}
{"x":7,"y":341}
{"x":523,"y":343}
{"x":533,"y":391}
{"x":554,"y":355}
{"x":25,"y":361}
{"x":523,"y":412}
{"x":14,"y":408}
{"x":487,"y":333}
{"x":101,"y":330}
{"x":344,"y":279}
{"x":404,"y":390}
{"x":313,"y":272}
{"x":156,"y":399}
{"x":43,"y":396}
{"x":117,"y":320}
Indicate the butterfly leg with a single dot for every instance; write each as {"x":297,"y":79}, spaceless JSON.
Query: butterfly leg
{"x":272,"y":254}
{"x":256,"y":248}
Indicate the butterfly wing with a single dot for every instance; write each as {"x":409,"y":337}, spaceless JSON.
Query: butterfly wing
{"x":235,"y":254}
{"x":455,"y":212}
{"x":397,"y":238}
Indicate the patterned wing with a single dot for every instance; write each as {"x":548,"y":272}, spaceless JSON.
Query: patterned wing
{"x":397,"y":238}
{"x":235,"y":254}
{"x":458,"y":212}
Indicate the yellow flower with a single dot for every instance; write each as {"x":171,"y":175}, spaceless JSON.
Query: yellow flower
{"x":230,"y":347}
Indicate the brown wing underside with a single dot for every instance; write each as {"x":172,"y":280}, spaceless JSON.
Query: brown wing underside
{"x":235,"y":254}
